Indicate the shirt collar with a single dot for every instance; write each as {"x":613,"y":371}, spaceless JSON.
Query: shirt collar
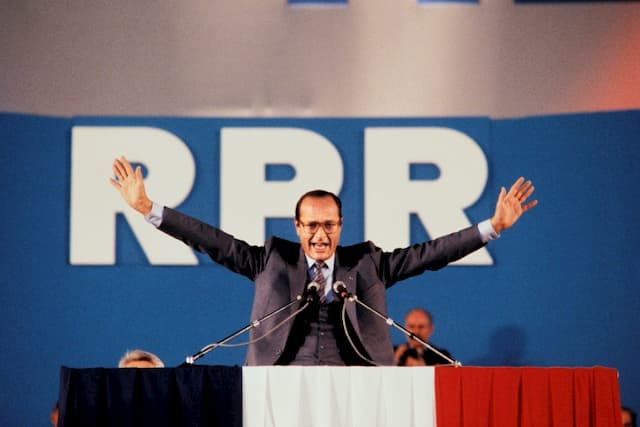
{"x":329,"y":262}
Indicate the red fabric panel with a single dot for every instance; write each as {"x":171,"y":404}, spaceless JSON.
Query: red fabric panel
{"x":449,"y":406}
{"x":476,"y":397}
{"x":582,"y":397}
{"x":535,"y":398}
{"x":561,"y":393}
{"x":506,"y":398}
{"x":607,"y":397}
{"x":526,"y":397}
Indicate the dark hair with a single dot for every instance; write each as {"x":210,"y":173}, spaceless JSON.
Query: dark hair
{"x":318,"y":194}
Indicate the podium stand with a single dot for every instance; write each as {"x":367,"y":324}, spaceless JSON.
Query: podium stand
{"x":340,"y":396}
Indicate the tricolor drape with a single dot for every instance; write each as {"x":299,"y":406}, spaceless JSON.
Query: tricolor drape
{"x":340,"y":396}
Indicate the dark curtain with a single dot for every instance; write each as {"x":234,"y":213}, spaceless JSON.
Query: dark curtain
{"x":154,"y":397}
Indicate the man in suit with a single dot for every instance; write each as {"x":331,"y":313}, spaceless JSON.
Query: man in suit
{"x":281,"y":270}
{"x":419,"y":322}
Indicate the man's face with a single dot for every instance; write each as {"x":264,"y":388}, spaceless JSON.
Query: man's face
{"x":419,"y":324}
{"x":318,"y":227}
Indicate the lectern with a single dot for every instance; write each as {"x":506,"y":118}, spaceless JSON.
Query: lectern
{"x":283,"y":396}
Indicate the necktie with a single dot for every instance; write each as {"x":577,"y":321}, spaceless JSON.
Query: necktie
{"x":318,"y":277}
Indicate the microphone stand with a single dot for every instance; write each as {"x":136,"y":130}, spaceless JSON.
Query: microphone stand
{"x":389,"y":321}
{"x":190,"y":360}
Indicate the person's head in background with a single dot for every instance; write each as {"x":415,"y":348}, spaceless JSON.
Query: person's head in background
{"x":419,"y":322}
{"x":53,"y":416}
{"x":628,"y":417}
{"x":140,"y":359}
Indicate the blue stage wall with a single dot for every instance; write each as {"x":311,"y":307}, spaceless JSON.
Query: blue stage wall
{"x":559,"y":289}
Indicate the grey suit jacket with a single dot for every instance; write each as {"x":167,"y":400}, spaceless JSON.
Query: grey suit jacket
{"x":279,"y":272}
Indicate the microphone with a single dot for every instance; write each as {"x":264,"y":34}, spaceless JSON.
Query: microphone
{"x":340,"y":289}
{"x":313,"y":291}
{"x":255,"y":323}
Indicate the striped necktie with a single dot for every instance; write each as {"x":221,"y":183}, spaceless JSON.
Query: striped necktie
{"x":318,"y":277}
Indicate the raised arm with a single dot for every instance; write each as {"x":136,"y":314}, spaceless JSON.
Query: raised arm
{"x":512,"y":204}
{"x":130,"y":184}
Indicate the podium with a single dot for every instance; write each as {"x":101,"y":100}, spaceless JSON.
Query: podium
{"x":285,"y":396}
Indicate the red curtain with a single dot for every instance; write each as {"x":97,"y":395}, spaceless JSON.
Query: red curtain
{"x":527,"y":397}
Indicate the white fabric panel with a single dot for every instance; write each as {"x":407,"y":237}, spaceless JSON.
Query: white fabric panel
{"x":320,"y":396}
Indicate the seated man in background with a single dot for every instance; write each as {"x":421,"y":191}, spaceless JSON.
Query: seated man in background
{"x":131,"y":359}
{"x":140,"y":359}
{"x":628,"y":417}
{"x":419,"y":322}
{"x":55,"y":413}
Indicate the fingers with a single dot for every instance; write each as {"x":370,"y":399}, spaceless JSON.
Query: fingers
{"x":127,"y":165}
{"x":527,"y":192}
{"x":501,"y":196}
{"x":521,"y":190}
{"x":529,"y":205}
{"x":118,"y":170}
{"x":122,"y":168}
{"x":516,"y":186}
{"x":115,"y":183}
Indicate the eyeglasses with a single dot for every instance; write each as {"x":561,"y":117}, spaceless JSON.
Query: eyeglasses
{"x":329,"y":226}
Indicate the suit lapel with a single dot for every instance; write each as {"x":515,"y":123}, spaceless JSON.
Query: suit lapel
{"x":298,"y":276}
{"x":349,"y":278}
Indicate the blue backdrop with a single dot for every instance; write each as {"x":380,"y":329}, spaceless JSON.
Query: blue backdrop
{"x":562,"y":290}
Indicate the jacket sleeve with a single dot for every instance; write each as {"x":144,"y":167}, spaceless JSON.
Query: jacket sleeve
{"x":431,"y":255}
{"x":234,"y":254}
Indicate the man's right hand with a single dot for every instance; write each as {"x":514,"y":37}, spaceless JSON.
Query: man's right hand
{"x":130,"y":184}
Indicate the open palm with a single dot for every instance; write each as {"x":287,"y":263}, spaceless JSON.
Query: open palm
{"x":130,"y":185}
{"x":512,"y":204}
